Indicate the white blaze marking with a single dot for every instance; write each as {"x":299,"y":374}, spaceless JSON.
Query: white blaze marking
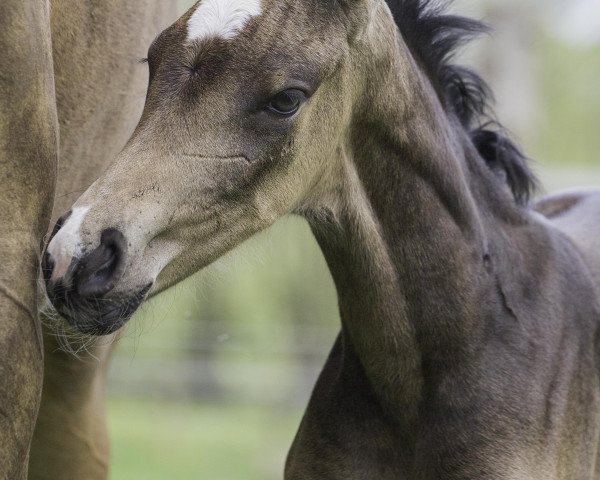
{"x":66,"y":244}
{"x":221,"y":18}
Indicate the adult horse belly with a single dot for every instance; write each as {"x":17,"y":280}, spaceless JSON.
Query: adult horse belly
{"x":100,"y":83}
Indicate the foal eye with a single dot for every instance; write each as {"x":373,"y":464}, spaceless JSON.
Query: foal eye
{"x":287,"y":102}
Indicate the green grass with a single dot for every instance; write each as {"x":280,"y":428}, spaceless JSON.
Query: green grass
{"x":178,"y":441}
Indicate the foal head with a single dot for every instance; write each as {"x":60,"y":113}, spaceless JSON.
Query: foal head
{"x":244,"y":116}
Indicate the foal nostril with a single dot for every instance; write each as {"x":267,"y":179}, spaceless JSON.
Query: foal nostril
{"x":99,"y":271}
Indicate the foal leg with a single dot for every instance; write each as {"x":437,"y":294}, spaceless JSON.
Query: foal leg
{"x":28,"y":153}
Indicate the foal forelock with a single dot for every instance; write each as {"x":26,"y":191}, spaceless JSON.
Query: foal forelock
{"x":221,"y":18}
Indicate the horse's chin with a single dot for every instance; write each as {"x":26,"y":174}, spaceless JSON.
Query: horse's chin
{"x":99,"y":317}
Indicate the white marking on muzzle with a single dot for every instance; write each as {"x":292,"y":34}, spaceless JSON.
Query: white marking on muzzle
{"x":66,"y":244}
{"x":221,"y":18}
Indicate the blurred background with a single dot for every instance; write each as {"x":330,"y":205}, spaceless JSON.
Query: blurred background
{"x":210,"y":379}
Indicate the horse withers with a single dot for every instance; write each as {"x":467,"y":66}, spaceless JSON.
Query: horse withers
{"x":468,"y":346}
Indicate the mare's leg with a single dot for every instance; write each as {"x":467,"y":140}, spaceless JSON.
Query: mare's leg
{"x":71,"y":439}
{"x":100,"y":90}
{"x":28,"y":153}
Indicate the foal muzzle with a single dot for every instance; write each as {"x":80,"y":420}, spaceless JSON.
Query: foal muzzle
{"x":78,"y":285}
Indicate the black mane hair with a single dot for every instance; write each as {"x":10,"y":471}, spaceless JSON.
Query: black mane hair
{"x":434,"y":36}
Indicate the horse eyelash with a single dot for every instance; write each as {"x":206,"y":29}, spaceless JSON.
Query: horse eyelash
{"x":143,"y":60}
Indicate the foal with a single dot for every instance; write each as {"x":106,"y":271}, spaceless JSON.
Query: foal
{"x":469,"y":322}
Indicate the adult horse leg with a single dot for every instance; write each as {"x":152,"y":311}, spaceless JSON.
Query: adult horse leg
{"x":71,"y":438}
{"x":100,"y":88}
{"x":28,"y":153}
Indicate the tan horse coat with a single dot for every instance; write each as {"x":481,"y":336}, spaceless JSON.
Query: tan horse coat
{"x":100,"y":89}
{"x":28,"y":147}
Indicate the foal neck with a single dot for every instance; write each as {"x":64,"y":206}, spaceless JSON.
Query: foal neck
{"x":407,"y":242}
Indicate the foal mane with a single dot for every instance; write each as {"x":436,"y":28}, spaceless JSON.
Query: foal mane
{"x":434,"y":36}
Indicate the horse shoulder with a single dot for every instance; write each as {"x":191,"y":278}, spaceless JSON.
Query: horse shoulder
{"x":577,"y":214}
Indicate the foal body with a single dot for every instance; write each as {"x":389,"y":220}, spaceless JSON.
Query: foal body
{"x":463,"y":355}
{"x":469,"y":343}
{"x":469,"y":322}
